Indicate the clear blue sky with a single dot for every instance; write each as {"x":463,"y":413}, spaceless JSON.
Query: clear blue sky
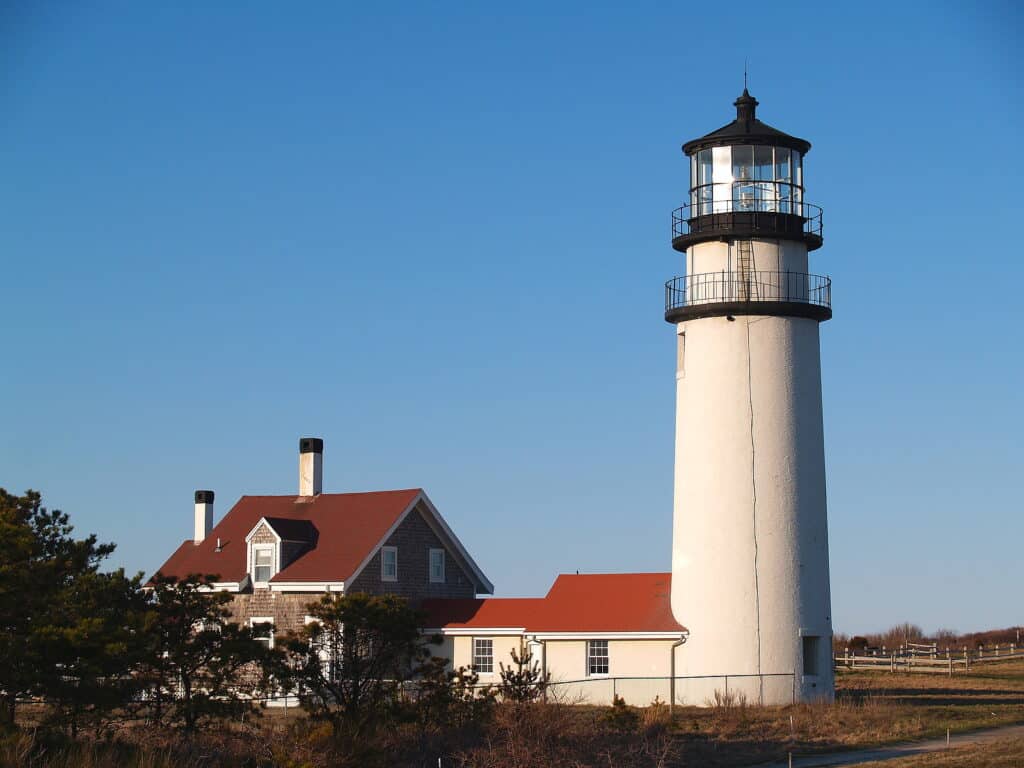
{"x":436,"y":235}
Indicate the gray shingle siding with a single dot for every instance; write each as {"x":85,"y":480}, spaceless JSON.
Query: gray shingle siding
{"x":414,"y":539}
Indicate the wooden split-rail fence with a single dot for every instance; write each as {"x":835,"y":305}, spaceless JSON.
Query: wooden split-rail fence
{"x":925,"y":657}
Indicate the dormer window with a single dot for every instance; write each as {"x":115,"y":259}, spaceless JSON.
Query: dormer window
{"x":263,"y":563}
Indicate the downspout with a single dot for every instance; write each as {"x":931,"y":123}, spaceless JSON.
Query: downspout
{"x":672,"y":668}
{"x":543,"y":664}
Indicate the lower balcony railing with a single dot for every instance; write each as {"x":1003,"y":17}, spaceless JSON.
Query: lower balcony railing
{"x":753,"y":286}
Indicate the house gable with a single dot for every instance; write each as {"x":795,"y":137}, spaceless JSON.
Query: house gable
{"x":413,"y":538}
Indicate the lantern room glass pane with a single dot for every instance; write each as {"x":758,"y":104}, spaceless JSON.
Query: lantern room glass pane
{"x":705,"y":178}
{"x":798,"y":189}
{"x":783,"y":171}
{"x":742,"y":163}
{"x":742,"y":174}
{"x":704,"y":167}
{"x":785,"y":198}
{"x":721,"y":159}
{"x":763,"y":163}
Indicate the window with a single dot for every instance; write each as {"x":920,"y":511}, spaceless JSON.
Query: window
{"x":811,"y":654}
{"x":389,"y":564}
{"x":483,"y":655}
{"x":783,"y":172}
{"x":597,"y":657}
{"x":325,"y":647}
{"x":263,"y":630}
{"x":262,"y":563}
{"x":746,"y":178}
{"x":437,"y":566}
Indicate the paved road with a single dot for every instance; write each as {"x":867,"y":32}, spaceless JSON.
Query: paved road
{"x":900,"y":750}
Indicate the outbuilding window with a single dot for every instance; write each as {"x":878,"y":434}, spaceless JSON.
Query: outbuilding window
{"x":597,"y":657}
{"x":483,"y":655}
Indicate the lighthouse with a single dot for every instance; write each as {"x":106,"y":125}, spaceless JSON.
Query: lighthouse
{"x":750,"y":573}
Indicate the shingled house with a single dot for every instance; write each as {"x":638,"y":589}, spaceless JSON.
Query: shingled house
{"x":276,"y":554}
{"x":596,"y":635}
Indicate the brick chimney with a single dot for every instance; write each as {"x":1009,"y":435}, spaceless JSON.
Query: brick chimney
{"x":311,"y":466}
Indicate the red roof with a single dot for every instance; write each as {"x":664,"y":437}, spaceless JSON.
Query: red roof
{"x":495,"y":613}
{"x":348,"y":528}
{"x":605,"y":602}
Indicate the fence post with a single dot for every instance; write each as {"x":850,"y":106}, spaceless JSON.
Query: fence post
{"x":951,"y":667}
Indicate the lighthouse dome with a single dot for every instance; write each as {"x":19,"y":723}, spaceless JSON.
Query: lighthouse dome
{"x":747,"y":129}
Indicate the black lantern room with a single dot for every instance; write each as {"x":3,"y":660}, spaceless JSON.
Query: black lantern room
{"x":746,"y":180}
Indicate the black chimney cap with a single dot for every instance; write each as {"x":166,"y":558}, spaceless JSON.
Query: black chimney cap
{"x":311,"y":445}
{"x":746,"y":129}
{"x":204,"y":497}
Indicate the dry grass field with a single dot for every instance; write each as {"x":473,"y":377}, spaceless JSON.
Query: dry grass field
{"x":1008,"y":753}
{"x":872,"y":708}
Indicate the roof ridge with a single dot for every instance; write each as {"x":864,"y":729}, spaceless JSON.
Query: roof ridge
{"x":319,"y":495}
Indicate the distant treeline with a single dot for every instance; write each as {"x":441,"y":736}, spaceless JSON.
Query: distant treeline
{"x":901,"y":634}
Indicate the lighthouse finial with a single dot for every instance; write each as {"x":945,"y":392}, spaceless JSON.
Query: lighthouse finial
{"x":744,"y":74}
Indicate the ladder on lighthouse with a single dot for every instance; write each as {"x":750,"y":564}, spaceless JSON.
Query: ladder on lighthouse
{"x":744,"y":270}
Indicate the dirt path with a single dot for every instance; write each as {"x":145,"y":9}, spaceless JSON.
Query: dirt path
{"x":900,"y":750}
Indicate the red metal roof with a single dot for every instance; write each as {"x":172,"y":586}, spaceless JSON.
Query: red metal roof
{"x":348,"y":528}
{"x":594,"y":603}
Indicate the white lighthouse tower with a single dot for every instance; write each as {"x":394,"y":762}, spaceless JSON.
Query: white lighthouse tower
{"x":750,"y":575}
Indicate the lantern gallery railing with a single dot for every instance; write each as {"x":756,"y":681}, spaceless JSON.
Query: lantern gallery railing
{"x":753,"y":214}
{"x":756,"y":287}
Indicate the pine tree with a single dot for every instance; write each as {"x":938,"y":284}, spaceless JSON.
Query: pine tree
{"x":351,"y":661}
{"x":57,"y":613}
{"x":197,"y":664}
{"x":522,"y":680}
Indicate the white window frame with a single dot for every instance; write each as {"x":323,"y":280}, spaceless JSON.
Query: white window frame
{"x":272,"y":549}
{"x":430,"y":565}
{"x":253,"y":621}
{"x":384,"y":551}
{"x":490,"y":646}
{"x":327,"y":664}
{"x":591,"y":656}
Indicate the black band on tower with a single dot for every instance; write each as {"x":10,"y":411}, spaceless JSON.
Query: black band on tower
{"x":204,"y":497}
